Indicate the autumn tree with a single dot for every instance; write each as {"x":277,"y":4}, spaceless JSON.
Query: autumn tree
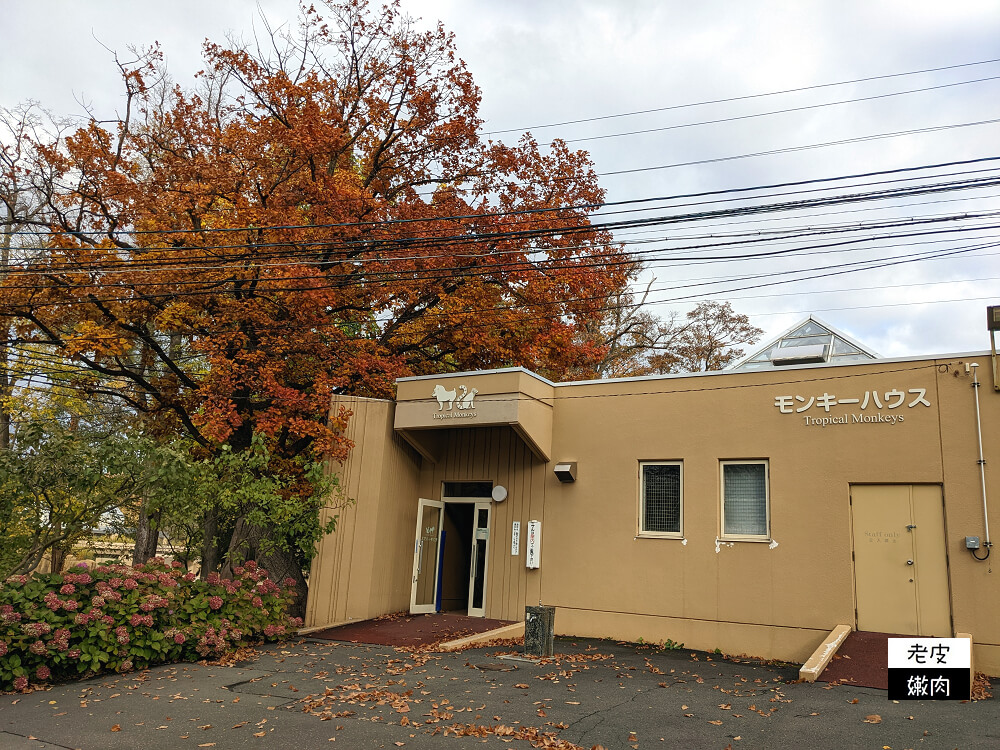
{"x":635,"y":342}
{"x":712,"y":339}
{"x":320,"y":213}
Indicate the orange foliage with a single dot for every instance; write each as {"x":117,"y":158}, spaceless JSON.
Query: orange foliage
{"x":325,"y":218}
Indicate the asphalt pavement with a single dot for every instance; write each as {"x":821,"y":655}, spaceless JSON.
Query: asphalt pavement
{"x":306,"y":694}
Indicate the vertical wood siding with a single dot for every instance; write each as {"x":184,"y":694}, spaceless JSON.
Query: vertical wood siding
{"x":497,"y":455}
{"x":362,"y":569}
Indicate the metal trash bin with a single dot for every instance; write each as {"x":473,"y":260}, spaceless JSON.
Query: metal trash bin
{"x":539,"y":630}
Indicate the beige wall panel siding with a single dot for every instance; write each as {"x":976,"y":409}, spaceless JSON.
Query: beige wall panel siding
{"x":975,"y":586}
{"x":769,"y":642}
{"x":392,"y":547}
{"x":806,"y":580}
{"x":361,"y":569}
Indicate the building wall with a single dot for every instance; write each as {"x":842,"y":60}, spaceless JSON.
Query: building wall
{"x":776,"y":599}
{"x":363,"y":568}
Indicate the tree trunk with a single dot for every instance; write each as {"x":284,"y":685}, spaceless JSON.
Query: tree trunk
{"x":58,"y":556}
{"x":249,"y":542}
{"x":209,"y":543}
{"x":147,"y":534}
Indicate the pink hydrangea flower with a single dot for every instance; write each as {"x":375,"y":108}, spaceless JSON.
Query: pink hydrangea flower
{"x":215,"y":602}
{"x":20,"y":683}
{"x":71,"y":604}
{"x":67,"y":589}
{"x":43,"y":672}
{"x":257,"y":602}
{"x":73,"y":653}
{"x":3,"y":648}
{"x":131,"y":584}
{"x":37,"y":648}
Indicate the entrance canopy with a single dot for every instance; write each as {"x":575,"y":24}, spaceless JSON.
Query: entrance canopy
{"x":427,"y":406}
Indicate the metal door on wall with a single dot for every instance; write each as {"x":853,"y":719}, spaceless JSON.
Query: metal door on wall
{"x":423,"y":594}
{"x":900,"y":560}
{"x":480,"y":556}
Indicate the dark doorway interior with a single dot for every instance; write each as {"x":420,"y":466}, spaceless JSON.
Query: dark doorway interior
{"x":455,"y":569}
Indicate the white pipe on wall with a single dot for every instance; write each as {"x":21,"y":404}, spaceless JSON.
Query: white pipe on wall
{"x":982,"y":461}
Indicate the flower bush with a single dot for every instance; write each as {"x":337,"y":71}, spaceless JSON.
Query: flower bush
{"x":116,"y":618}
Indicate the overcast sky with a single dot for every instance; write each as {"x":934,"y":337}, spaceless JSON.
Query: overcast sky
{"x":540,"y":62}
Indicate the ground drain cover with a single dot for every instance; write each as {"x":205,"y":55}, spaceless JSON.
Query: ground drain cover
{"x":495,"y":667}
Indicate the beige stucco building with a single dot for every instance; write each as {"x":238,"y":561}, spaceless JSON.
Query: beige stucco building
{"x":751,"y":510}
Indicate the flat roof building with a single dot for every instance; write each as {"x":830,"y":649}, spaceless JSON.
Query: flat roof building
{"x":750,"y":510}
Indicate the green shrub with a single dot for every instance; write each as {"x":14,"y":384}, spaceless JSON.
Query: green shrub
{"x":115,"y":618}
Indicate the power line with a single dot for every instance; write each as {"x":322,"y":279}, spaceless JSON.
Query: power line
{"x":787,"y":110}
{"x":741,"y":98}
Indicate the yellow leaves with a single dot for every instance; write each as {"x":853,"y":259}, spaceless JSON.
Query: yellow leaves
{"x":872,"y":719}
{"x":96,"y":340}
{"x":177,"y":315}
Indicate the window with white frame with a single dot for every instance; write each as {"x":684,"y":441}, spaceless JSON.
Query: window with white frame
{"x":745,"y":500}
{"x":660,"y":496}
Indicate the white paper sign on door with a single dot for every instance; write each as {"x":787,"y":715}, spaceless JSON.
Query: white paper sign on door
{"x":534,"y":548}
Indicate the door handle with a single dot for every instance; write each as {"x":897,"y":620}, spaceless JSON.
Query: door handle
{"x":420,"y":556}
{"x":909,"y":562}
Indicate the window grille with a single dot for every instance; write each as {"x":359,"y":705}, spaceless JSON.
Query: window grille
{"x":660,"y":511}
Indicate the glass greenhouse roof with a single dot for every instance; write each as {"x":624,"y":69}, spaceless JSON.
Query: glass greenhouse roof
{"x":808,"y":342}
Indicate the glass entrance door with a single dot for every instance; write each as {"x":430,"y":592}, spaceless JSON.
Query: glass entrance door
{"x":480,"y":556}
{"x":426,"y":547}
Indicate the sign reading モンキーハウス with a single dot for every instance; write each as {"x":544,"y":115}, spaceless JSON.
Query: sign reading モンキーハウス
{"x":888,"y":407}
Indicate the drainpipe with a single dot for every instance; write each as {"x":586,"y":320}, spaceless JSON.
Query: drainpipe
{"x":982,"y":461}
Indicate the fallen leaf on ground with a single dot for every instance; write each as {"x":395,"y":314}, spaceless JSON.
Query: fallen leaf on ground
{"x":116,"y":728}
{"x":716,"y":722}
{"x":872,"y":719}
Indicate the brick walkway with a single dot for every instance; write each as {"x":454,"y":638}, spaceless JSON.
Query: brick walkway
{"x":403,"y":629}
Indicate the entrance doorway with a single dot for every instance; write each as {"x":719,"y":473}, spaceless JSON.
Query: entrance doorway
{"x":900,"y":561}
{"x":451,"y":556}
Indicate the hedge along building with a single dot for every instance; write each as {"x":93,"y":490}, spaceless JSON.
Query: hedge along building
{"x":751,"y":510}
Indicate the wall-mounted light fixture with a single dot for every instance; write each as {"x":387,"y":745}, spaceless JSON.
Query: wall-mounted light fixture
{"x":566,"y":471}
{"x":993,"y":325}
